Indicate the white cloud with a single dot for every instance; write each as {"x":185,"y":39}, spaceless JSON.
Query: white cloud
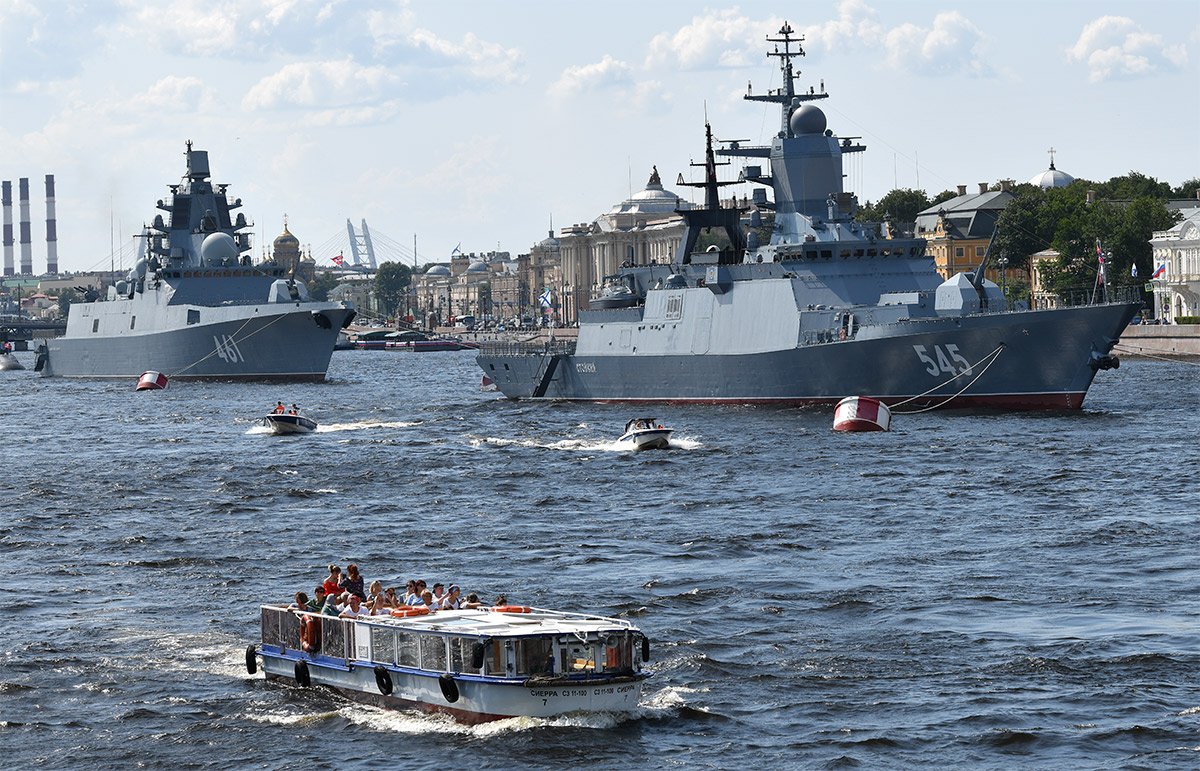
{"x":484,"y":60}
{"x":724,"y":38}
{"x":176,"y":94}
{"x":953,"y":45}
{"x":856,"y":26}
{"x":313,"y":84}
{"x":1116,"y":47}
{"x":44,"y":42}
{"x":606,"y":73}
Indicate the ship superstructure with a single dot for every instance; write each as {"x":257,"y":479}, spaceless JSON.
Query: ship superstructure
{"x":195,"y":306}
{"x":828,"y":308}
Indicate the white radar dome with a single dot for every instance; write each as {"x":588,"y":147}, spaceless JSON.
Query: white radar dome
{"x":218,"y":248}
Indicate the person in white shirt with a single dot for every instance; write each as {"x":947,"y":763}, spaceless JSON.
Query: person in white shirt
{"x":354,"y":608}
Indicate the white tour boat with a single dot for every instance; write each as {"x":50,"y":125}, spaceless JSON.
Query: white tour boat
{"x":646,"y":434}
{"x":475,"y":665}
{"x":289,"y":423}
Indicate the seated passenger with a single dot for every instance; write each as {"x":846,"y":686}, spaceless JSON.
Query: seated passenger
{"x":331,"y":607}
{"x":418,"y":593}
{"x":501,"y":599}
{"x":318,"y":599}
{"x":301,"y":602}
{"x":472,"y":601}
{"x":354,"y":608}
{"x":439,"y":593}
{"x":333,"y":580}
{"x":427,"y":600}
{"x":278,"y":409}
{"x":451,"y":601}
{"x":375,"y":595}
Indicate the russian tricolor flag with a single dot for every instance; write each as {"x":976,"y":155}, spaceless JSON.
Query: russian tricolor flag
{"x":1160,"y":271}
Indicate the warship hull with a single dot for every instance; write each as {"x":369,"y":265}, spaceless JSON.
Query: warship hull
{"x":1044,"y":360}
{"x":244,"y":343}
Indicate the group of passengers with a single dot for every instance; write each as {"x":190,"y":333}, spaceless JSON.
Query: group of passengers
{"x":345,"y":596}
{"x":279,"y":409}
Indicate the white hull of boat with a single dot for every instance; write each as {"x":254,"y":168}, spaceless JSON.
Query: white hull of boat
{"x":478,"y":701}
{"x":648,"y":438}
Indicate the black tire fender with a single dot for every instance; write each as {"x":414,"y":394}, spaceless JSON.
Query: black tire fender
{"x":477,"y":653}
{"x":383,"y":679}
{"x":302,"y":677}
{"x":645,"y":648}
{"x":449,"y":687}
{"x":251,"y":661}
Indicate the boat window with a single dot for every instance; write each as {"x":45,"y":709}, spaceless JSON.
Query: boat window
{"x":578,"y":657}
{"x":535,"y":656}
{"x":870,"y":252}
{"x":193,"y":316}
{"x":826,"y":254}
{"x":844,"y":253}
{"x":494,"y":659}
{"x":460,"y":651}
{"x":95,"y":325}
{"x":333,"y":637}
{"x":433,"y":653}
{"x":618,"y":653}
{"x":858,"y":252}
{"x":383,"y":644}
{"x":132,"y":321}
{"x":407,"y":654}
{"x":811,"y":254}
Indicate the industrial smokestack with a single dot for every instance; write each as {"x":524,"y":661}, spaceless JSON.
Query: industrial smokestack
{"x":51,"y":229}
{"x":6,"y":200}
{"x":26,"y":239}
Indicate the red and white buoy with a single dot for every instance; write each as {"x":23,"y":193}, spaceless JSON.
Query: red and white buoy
{"x":152,"y":381}
{"x":861,"y":413}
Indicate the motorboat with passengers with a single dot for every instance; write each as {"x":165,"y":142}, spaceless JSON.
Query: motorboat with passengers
{"x":289,"y":423}
{"x":646,"y":434}
{"x":476,"y":665}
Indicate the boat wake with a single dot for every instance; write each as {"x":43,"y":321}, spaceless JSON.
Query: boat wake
{"x":329,"y":428}
{"x":580,"y":445}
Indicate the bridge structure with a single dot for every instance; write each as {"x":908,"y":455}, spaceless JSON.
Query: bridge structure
{"x":363,"y":249}
{"x":20,"y":330}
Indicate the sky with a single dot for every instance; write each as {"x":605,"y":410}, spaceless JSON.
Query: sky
{"x":478,"y":124}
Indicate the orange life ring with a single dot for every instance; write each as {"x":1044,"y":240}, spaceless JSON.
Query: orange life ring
{"x":310,"y":634}
{"x":511,"y":609}
{"x":415,"y":610}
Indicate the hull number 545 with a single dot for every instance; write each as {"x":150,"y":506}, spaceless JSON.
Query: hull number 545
{"x":943,"y":359}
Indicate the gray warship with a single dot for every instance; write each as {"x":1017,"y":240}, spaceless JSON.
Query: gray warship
{"x":195,"y":307}
{"x":827,"y":309}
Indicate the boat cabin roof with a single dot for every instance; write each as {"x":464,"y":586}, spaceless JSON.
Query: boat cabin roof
{"x":486,"y":622}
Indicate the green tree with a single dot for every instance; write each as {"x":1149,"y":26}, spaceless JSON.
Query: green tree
{"x":391,"y":284}
{"x":943,"y":196}
{"x":320,"y":287}
{"x":902,"y":204}
{"x":65,"y":298}
{"x":1187,"y":189}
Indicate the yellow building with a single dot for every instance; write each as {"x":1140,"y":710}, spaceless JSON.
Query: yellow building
{"x":957,"y":232}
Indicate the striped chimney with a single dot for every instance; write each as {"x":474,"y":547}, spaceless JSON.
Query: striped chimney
{"x":51,"y":229}
{"x":26,"y":241}
{"x":6,"y":199}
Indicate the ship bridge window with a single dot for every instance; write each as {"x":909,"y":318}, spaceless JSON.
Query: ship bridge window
{"x":858,"y":252}
{"x":811,"y":254}
{"x":460,"y":653}
{"x":407,"y":653}
{"x":870,"y":252}
{"x":383,"y":644}
{"x":433,"y":653}
{"x":844,"y":253}
{"x":95,"y":325}
{"x":826,"y":254}
{"x":193,"y":316}
{"x":535,"y":656}
{"x":132,"y":321}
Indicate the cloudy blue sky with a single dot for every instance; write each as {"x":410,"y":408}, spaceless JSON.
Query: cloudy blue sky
{"x":477,"y":122}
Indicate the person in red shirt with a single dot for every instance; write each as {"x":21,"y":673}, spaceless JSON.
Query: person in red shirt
{"x":333,"y":580}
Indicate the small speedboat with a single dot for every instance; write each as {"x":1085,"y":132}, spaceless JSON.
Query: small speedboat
{"x":289,"y":423}
{"x":646,"y":434}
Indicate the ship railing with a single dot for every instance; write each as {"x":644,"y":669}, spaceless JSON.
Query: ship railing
{"x":1076,"y":297}
{"x":510,"y":348}
{"x":281,"y":628}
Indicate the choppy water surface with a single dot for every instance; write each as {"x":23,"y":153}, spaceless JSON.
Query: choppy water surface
{"x":988,"y":589}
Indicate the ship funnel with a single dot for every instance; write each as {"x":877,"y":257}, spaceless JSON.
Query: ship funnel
{"x":51,"y":228}
{"x":6,"y":199}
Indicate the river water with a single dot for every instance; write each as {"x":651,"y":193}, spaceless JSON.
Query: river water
{"x":992,"y":589}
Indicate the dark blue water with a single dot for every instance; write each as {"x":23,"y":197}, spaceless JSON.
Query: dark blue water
{"x":996,"y":590}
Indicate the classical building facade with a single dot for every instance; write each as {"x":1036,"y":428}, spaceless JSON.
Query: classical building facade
{"x":486,"y":286}
{"x":957,"y":231}
{"x":1176,"y":278}
{"x":641,"y":230}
